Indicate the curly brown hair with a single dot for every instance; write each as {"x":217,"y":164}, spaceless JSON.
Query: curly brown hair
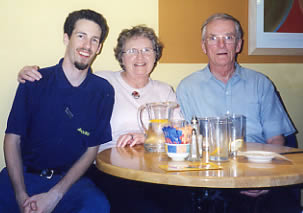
{"x":137,"y":31}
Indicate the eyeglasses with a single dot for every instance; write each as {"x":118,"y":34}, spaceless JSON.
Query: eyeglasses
{"x":134,"y":52}
{"x":228,"y":39}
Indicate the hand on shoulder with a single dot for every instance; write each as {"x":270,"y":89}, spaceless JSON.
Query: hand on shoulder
{"x":29,"y":73}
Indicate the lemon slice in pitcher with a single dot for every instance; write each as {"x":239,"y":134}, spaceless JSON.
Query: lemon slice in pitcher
{"x":161,"y":121}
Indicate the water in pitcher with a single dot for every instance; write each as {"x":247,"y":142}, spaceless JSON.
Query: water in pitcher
{"x":155,"y":139}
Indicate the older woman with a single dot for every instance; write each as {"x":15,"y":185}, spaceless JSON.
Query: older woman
{"x":138,"y":51}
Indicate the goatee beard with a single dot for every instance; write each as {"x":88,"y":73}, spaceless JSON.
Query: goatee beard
{"x":81,"y":66}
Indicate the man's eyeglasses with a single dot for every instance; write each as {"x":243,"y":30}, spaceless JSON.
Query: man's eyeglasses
{"x":228,"y":39}
{"x":134,"y":52}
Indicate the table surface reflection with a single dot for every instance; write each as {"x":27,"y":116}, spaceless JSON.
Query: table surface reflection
{"x":137,"y":164}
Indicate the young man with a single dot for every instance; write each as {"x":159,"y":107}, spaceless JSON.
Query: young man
{"x":56,"y":126}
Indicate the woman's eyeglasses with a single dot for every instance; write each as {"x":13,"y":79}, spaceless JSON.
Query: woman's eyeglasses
{"x":134,"y":52}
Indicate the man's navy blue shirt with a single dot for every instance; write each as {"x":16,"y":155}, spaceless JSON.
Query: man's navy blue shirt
{"x":58,"y":122}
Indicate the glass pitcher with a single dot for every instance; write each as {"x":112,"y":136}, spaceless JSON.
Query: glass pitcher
{"x":159,"y":115}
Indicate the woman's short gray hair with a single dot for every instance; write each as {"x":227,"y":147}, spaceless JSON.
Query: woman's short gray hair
{"x":137,"y":31}
{"x":222,"y":16}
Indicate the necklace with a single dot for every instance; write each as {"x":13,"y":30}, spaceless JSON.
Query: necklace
{"x":136,"y":94}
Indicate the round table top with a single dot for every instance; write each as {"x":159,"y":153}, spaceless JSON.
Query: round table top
{"x":137,"y":164}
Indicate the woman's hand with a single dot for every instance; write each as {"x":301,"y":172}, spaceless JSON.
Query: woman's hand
{"x":131,"y":153}
{"x":130,"y":139}
{"x":29,"y":73}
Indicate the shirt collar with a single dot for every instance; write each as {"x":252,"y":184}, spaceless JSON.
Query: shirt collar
{"x":238,"y":73}
{"x":63,"y":81}
{"x":208,"y":75}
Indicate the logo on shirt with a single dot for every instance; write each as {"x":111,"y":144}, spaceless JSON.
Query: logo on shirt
{"x":83,"y":132}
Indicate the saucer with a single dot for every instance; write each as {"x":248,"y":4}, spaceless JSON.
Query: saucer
{"x":259,"y":156}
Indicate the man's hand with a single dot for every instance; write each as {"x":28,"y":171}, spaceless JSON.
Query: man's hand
{"x":130,"y":139}
{"x":21,"y":198}
{"x":43,"y":203}
{"x":46,"y":202}
{"x":29,"y":73}
{"x":254,"y":193}
{"x":12,"y":154}
{"x":278,"y":140}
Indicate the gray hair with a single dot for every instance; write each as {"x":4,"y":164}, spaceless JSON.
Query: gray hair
{"x":137,"y":31}
{"x":222,"y":16}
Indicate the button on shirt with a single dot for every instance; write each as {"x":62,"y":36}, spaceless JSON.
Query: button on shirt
{"x":247,"y":92}
{"x":58,"y":122}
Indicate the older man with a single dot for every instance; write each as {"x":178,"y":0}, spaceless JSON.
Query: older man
{"x":56,"y":126}
{"x":225,"y":87}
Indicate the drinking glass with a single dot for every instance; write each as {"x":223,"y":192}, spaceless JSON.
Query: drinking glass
{"x":236,"y":133}
{"x":204,"y":124}
{"x":219,"y":139}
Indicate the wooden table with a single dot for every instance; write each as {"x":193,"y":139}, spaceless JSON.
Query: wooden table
{"x":137,"y":164}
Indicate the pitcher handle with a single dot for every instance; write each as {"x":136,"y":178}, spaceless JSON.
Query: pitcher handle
{"x":139,"y":118}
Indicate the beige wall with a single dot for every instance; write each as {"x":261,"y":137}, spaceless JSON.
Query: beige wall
{"x":31,"y":33}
